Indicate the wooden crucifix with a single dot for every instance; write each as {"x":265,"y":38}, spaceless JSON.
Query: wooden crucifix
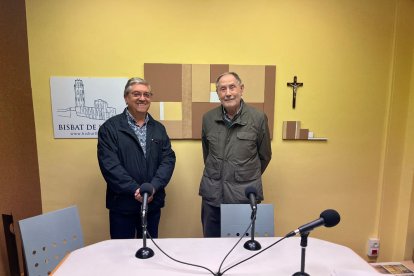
{"x":294,"y":86}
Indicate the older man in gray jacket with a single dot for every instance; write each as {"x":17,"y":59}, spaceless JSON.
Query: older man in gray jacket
{"x":236,"y":151}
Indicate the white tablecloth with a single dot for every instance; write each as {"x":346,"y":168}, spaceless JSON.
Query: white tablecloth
{"x":117,"y":257}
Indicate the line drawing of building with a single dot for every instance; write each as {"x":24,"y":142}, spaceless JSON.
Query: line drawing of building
{"x":100,"y":110}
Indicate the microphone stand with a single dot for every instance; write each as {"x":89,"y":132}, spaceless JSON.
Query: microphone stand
{"x":303,"y":244}
{"x":144,"y":252}
{"x":252,"y":245}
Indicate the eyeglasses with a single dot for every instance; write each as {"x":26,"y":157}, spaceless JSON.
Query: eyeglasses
{"x":146,"y":95}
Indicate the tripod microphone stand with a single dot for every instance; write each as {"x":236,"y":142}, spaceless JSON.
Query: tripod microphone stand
{"x":303,"y":244}
{"x":252,"y":244}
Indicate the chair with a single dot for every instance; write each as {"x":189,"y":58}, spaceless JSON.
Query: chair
{"x":236,"y":217}
{"x":48,"y":238}
{"x":11,"y":245}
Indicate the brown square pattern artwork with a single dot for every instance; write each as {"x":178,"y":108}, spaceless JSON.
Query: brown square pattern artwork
{"x":184,"y":92}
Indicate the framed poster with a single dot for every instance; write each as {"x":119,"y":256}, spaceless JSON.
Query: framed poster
{"x":80,"y":105}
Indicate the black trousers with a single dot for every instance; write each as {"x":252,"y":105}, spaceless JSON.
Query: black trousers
{"x":129,"y":226}
{"x":211,"y":220}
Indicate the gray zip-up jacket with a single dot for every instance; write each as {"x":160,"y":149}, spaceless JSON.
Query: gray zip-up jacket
{"x":235,"y":157}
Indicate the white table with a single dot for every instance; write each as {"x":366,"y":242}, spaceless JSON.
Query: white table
{"x":117,"y":257}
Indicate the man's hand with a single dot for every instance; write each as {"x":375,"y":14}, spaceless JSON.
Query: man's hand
{"x":139,"y":198}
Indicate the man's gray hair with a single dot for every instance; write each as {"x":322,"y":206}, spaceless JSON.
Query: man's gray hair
{"x":234,"y":74}
{"x":133,"y":81}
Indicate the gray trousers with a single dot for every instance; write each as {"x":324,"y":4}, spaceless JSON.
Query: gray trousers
{"x":211,"y":220}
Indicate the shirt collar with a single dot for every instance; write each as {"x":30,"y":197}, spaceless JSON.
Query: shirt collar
{"x":132,"y":120}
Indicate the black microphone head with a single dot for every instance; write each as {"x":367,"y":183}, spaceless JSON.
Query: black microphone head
{"x":250,"y":190}
{"x":146,"y":188}
{"x":330,"y":217}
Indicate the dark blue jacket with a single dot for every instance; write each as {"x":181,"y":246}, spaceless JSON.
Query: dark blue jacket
{"x":125,"y":168}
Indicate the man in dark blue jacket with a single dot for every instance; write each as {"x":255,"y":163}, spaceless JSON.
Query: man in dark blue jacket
{"x":133,"y":149}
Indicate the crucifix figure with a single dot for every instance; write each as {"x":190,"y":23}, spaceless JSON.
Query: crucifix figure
{"x":295,"y":86}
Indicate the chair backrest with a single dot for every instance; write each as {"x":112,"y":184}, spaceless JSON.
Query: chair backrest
{"x":48,"y":238}
{"x":236,"y":217}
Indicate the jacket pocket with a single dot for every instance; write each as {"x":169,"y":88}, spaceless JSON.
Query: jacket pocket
{"x":243,"y":175}
{"x":250,"y":136}
{"x":212,"y":169}
{"x":246,"y":147}
{"x":212,"y":173}
{"x":215,"y":147}
{"x":210,"y":189}
{"x":156,"y":148}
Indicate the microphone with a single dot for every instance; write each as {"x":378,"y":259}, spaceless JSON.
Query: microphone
{"x":328,"y":218}
{"x":145,"y":191}
{"x":252,"y":244}
{"x":250,"y":193}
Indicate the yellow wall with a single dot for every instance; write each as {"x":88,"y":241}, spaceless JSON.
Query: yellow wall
{"x":343,"y":51}
{"x":397,"y":222}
